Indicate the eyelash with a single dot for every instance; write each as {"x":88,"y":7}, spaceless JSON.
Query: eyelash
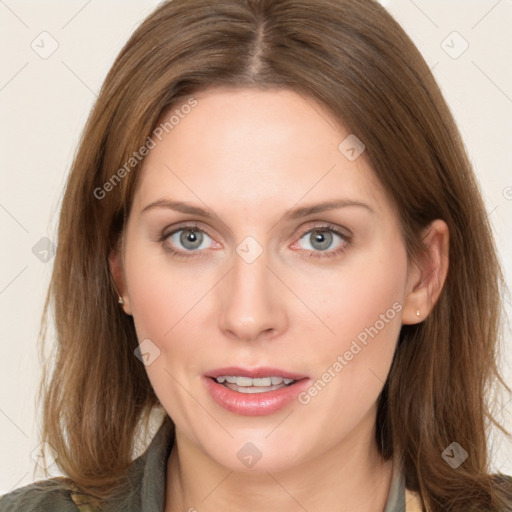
{"x":346,"y":242}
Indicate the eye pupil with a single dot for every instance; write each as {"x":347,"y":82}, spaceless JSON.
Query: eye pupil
{"x":323,"y":238}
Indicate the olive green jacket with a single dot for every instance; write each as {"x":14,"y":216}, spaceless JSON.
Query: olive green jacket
{"x":147,"y":478}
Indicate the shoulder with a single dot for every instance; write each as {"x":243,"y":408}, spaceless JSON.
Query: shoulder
{"x":47,"y":495}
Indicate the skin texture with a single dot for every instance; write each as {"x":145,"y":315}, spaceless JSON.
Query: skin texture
{"x":249,"y":156}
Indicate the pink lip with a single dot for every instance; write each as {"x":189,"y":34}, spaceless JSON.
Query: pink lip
{"x":255,"y":404}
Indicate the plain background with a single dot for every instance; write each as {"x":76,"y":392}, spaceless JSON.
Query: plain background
{"x":45,"y":100}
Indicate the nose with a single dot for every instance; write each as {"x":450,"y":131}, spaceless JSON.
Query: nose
{"x":251,"y":301}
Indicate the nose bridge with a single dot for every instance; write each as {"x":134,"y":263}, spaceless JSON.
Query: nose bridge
{"x":251,"y":302}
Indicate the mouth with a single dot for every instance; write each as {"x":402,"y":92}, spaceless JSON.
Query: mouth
{"x":254,"y":392}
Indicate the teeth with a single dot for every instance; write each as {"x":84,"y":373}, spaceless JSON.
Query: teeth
{"x":265,"y":381}
{"x":253,"y":389}
{"x":247,"y":382}
{"x":243,"y":381}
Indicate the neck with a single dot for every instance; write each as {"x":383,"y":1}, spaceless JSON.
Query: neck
{"x":350,"y":476}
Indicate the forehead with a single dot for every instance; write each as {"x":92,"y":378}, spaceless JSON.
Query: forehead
{"x":246,"y":149}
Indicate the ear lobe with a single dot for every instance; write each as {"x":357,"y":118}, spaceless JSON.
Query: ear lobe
{"x":118,"y":277}
{"x":427,"y":277}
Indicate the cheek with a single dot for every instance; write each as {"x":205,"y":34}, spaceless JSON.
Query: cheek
{"x":365,"y":294}
{"x":167,"y":301}
{"x":161,"y":297}
{"x":161,"y":291}
{"x":364,"y":313}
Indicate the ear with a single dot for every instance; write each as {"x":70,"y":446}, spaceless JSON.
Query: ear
{"x":427,"y":277}
{"x":117,"y":271}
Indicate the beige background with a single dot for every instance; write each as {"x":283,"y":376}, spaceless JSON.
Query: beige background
{"x":44,"y":102}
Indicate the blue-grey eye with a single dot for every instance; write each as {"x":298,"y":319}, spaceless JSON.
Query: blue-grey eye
{"x":188,"y":239}
{"x":319,"y":239}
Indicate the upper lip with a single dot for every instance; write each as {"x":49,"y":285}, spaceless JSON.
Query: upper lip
{"x":261,"y":371}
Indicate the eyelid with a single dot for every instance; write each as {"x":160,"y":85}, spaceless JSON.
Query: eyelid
{"x":311,"y":225}
{"x":185,"y":225}
{"x":319,"y":225}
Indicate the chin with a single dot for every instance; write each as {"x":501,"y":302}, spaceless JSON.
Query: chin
{"x":254,"y":453}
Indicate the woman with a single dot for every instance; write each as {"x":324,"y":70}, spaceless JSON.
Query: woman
{"x":272,"y":235}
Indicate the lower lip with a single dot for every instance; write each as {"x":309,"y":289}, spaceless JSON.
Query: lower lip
{"x":255,"y":404}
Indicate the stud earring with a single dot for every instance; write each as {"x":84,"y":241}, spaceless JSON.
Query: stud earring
{"x":417,"y":312}
{"x":120,"y":300}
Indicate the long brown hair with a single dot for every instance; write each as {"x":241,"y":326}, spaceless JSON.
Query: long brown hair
{"x":352,"y":57}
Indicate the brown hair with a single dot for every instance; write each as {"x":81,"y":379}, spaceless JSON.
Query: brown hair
{"x":352,"y":57}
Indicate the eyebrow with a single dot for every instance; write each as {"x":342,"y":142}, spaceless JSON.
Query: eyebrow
{"x":292,"y":214}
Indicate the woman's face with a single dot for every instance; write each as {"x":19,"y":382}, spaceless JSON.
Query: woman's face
{"x":261,"y":246}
